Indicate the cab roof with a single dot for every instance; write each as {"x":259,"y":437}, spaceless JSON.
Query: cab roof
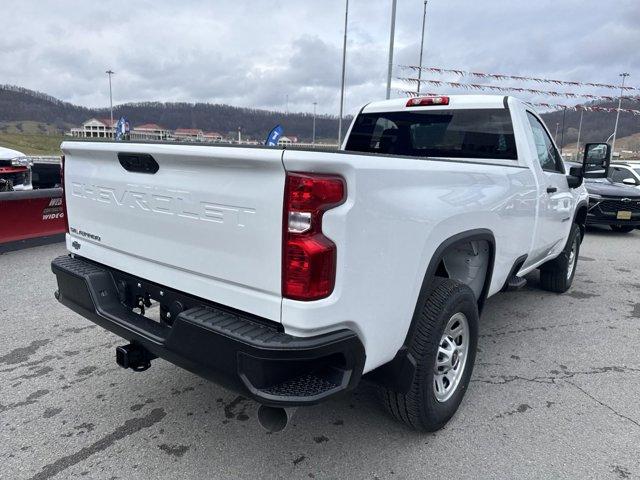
{"x":455,"y":102}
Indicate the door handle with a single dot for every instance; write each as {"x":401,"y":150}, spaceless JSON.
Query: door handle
{"x":138,"y":162}
{"x":552,"y":189}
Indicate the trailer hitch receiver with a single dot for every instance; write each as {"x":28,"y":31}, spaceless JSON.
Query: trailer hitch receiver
{"x":134,"y":356}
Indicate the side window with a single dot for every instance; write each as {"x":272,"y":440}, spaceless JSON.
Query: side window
{"x":618,"y":174}
{"x":548,"y":156}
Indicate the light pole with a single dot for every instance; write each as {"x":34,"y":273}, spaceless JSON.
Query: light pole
{"x":313,"y":135}
{"x":110,"y":72}
{"x":391,"y":39}
{"x":344,"y":60}
{"x":564,"y":114}
{"x":615,"y":129}
{"x":424,"y":21}
{"x":579,"y":131}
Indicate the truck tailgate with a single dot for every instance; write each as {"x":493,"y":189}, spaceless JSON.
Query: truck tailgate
{"x":208,"y":222}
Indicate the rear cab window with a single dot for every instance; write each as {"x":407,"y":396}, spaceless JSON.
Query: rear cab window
{"x":455,"y":133}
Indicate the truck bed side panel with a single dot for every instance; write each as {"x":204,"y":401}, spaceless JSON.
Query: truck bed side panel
{"x":399,"y":210}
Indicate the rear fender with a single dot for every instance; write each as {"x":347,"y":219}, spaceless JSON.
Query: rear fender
{"x":398,"y":374}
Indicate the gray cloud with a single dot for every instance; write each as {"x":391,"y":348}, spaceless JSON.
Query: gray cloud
{"x":255,"y":54}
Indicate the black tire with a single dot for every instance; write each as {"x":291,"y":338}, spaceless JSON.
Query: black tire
{"x":555,"y":275}
{"x":418,"y":407}
{"x":622,"y":228}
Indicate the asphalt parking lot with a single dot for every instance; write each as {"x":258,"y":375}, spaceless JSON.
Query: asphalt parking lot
{"x":555,"y":394}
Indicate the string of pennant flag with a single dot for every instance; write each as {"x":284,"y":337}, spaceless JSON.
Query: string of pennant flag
{"x":501,"y":88}
{"x":586,"y":108}
{"x":499,"y":76}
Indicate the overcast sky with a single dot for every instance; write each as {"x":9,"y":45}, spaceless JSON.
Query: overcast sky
{"x":256,"y":53}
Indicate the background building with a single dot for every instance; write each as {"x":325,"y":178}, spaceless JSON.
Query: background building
{"x":95,"y":128}
{"x":189,"y":134}
{"x":213,"y":137}
{"x":150,"y":132}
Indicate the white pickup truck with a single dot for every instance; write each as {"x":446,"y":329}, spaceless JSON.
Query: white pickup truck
{"x":291,"y":274}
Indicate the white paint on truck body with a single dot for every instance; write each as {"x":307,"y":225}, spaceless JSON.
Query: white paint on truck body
{"x":398,"y":212}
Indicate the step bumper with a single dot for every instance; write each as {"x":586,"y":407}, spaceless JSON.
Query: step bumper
{"x":235,"y":349}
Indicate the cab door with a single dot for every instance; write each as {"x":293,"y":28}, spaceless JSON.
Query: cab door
{"x":555,"y":200}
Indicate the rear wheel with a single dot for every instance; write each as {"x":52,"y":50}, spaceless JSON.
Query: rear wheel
{"x":622,"y":228}
{"x":443,"y":346}
{"x":557,"y":275}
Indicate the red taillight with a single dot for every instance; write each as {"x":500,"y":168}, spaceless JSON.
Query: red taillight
{"x":308,"y":256}
{"x":424,"y":101}
{"x":64,"y":195}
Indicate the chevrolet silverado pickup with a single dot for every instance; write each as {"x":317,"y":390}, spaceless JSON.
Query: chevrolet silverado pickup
{"x":290,"y":275}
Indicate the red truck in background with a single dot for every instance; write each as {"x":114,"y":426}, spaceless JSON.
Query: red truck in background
{"x":31,"y":203}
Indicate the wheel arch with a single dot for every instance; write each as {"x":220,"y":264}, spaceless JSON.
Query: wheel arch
{"x":436,"y":261}
{"x":399,"y":372}
{"x":580,"y":217}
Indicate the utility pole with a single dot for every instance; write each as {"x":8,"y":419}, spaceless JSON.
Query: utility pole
{"x":344,"y":60}
{"x":615,"y":129}
{"x":424,"y":21}
{"x":110,"y":72}
{"x":391,"y":40}
{"x":564,"y":114}
{"x":555,"y":137}
{"x":579,"y":131}
{"x":313,"y":135}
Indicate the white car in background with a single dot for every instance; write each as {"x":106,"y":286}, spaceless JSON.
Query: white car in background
{"x":15,"y":170}
{"x":627,"y":173}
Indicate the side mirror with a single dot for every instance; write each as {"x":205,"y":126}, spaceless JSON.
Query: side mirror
{"x":575,"y":177}
{"x":629,"y":181}
{"x":597,"y":157}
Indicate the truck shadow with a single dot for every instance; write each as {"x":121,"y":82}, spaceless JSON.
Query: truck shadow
{"x":200,"y":427}
{"x":355,"y":414}
{"x":602,"y":231}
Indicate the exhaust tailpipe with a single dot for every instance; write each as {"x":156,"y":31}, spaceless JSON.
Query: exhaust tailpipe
{"x":274,"y":419}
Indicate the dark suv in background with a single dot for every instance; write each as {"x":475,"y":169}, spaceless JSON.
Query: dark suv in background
{"x":612,"y":204}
